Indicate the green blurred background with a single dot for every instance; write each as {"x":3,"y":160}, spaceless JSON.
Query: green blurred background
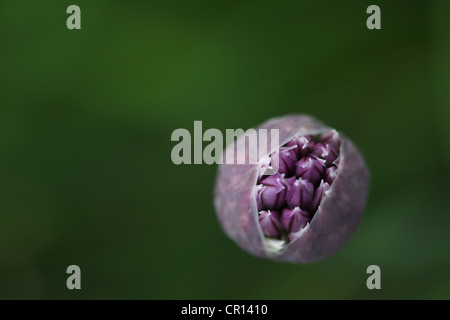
{"x":87,"y":115}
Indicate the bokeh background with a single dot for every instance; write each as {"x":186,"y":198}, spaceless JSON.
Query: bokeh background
{"x":86,"y":118}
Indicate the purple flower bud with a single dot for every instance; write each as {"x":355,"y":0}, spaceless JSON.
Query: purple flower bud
{"x":244,"y":199}
{"x":272,"y":192}
{"x":332,"y":139}
{"x":310,"y":168}
{"x":304,"y":144}
{"x":318,"y":195}
{"x":259,"y":189}
{"x":270,"y":223}
{"x":325,"y":151}
{"x":331,"y":174}
{"x":294,"y":220}
{"x":300,"y":192}
{"x":265,"y":164}
{"x":287,"y":159}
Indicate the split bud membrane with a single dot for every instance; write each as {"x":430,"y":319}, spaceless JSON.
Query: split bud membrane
{"x":287,"y":201}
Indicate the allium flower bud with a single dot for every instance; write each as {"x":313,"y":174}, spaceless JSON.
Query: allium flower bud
{"x":294,"y":219}
{"x":304,"y":145}
{"x":331,"y":174}
{"x":318,"y":195}
{"x":331,"y":137}
{"x":270,"y":223}
{"x":287,"y":158}
{"x":306,"y":211}
{"x":326,"y":151}
{"x":265,"y":164}
{"x":300,"y":192}
{"x":310,"y":168}
{"x":271,"y":192}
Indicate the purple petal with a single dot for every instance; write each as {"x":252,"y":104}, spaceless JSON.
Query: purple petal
{"x":300,"y":193}
{"x":326,"y":152}
{"x":304,"y":143}
{"x":320,"y":191}
{"x":270,"y":223}
{"x":273,"y":195}
{"x":265,"y":164}
{"x":310,"y":168}
{"x":294,"y":219}
{"x":331,"y":174}
{"x":332,"y":139}
{"x":296,"y":149}
{"x":287,"y":159}
{"x":259,"y":189}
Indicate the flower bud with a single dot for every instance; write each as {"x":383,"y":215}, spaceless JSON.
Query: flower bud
{"x":271,"y":192}
{"x":325,"y":151}
{"x":304,"y":145}
{"x":331,"y":174}
{"x":306,"y":211}
{"x":265,"y":164}
{"x":270,"y":223}
{"x":295,"y":219}
{"x":287,"y":158}
{"x":318,"y":195}
{"x":310,"y":168}
{"x":300,"y":192}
